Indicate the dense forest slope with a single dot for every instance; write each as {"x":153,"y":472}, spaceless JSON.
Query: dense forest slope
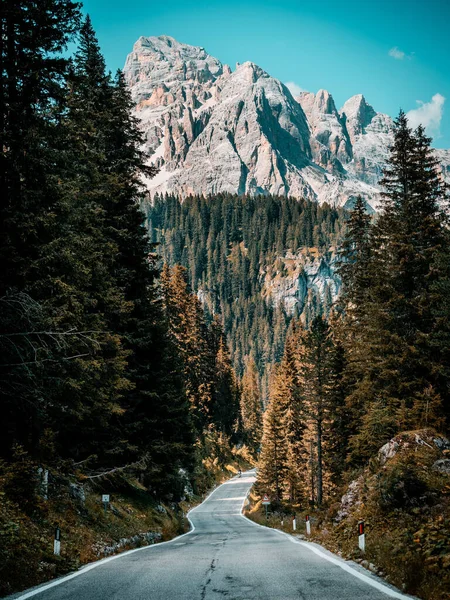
{"x":254,"y":261}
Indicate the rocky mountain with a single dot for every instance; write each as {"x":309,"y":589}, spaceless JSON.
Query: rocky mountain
{"x":210,"y":129}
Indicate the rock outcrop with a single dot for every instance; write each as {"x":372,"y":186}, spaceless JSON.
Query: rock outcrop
{"x":211,"y":130}
{"x":296,"y":279}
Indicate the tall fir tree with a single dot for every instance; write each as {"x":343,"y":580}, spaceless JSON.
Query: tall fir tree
{"x":315,"y":381}
{"x":251,"y":407}
{"x":272,"y":464}
{"x":155,"y":419}
{"x":398,"y":387}
{"x":32,"y":212}
{"x":354,"y":266}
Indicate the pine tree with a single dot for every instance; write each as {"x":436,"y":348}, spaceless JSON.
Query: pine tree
{"x":272,"y":465}
{"x":152,"y":417}
{"x":251,"y":407}
{"x":315,"y":381}
{"x":33,"y":35}
{"x":354,"y":267}
{"x":294,"y":416}
{"x":225,"y":394}
{"x":398,"y":387}
{"x":188,"y":329}
{"x":341,"y":418}
{"x":440,"y":334}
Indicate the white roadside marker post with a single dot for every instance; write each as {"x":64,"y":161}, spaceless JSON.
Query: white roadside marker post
{"x":57,"y":542}
{"x":361,"y":537}
{"x":308,"y":525}
{"x":105,"y":500}
{"x":294,"y":522}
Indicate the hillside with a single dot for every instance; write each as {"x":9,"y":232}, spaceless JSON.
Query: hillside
{"x":403,"y":498}
{"x":256,"y":262}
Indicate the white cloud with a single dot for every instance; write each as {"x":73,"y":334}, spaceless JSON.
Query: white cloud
{"x":397,"y":53}
{"x":294,"y":88}
{"x":428,"y":114}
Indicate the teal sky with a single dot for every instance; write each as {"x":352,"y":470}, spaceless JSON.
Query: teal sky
{"x":395,"y":52}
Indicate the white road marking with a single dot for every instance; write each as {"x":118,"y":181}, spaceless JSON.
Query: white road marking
{"x":336,"y":561}
{"x":372,"y":582}
{"x":225,"y":499}
{"x":103,"y":561}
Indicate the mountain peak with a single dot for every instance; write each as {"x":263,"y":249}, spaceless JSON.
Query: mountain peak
{"x":168,"y":46}
{"x":249,"y":71}
{"x":210,"y":130}
{"x":358,"y":114}
{"x":162,"y":60}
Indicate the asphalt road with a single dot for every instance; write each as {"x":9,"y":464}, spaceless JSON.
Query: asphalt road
{"x":224,"y":557}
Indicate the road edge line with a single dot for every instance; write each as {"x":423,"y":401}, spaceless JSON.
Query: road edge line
{"x":381,"y":587}
{"x":47,"y":586}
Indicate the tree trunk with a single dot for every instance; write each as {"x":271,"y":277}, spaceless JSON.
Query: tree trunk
{"x":319,"y":463}
{"x":311,"y":462}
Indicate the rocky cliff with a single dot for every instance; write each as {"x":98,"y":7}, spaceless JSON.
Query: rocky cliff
{"x":296,"y":280}
{"x":210,"y":129}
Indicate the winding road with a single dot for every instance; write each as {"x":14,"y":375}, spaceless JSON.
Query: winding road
{"x":224,"y":556}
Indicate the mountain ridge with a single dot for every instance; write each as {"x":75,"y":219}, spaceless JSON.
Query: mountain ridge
{"x":210,"y":130}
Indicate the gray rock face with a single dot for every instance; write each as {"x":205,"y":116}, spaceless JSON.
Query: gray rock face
{"x":330,"y":142}
{"x":412,"y":440}
{"x":350,"y":499}
{"x":211,"y":130}
{"x":77,"y":492}
{"x":163,"y":69}
{"x":296,"y":278}
{"x":442,"y":466}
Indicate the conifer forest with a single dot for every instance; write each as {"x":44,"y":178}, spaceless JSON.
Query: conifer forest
{"x":153,"y":345}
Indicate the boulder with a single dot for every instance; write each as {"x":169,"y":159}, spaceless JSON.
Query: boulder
{"x":442,"y":466}
{"x":76,"y":491}
{"x":412,"y":440}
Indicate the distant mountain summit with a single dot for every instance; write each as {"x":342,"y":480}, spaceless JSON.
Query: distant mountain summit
{"x":210,"y":129}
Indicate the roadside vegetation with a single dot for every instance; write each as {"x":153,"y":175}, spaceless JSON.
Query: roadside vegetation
{"x":113,"y":379}
{"x":403,"y":497}
{"x":31,"y":510}
{"x":359,"y":404}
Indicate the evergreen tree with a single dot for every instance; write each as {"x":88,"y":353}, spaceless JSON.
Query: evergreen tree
{"x":398,"y":387}
{"x":188,"y":329}
{"x":33,"y":35}
{"x":354,"y":268}
{"x":341,"y":418}
{"x":315,"y":381}
{"x":272,"y":465}
{"x":210,"y":381}
{"x":225,"y":395}
{"x":251,"y":407}
{"x":294,"y":417}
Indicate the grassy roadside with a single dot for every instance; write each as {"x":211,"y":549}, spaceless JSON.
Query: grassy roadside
{"x":392,"y":554}
{"x":403,"y":497}
{"x":134,"y":518}
{"x":282,"y":520}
